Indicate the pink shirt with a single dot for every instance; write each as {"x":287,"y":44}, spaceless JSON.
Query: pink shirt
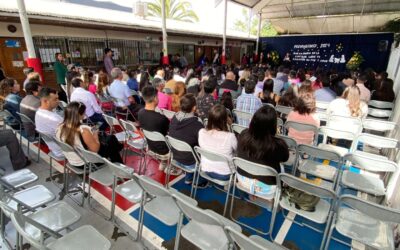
{"x":92,"y":88}
{"x":302,"y":137}
{"x":365,"y":94}
{"x":164,"y":101}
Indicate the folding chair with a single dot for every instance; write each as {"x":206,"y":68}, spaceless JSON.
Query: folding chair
{"x":161,"y":206}
{"x":257,"y":170}
{"x":365,"y":222}
{"x":214,"y":237}
{"x":293,"y":153}
{"x":168,"y":113}
{"x":381,"y":104}
{"x":254,"y":242}
{"x":381,"y":143}
{"x":302,"y":127}
{"x":134,"y":139}
{"x":112,"y":122}
{"x":380,"y":113}
{"x":68,"y":168}
{"x":323,"y":210}
{"x":242,"y":118}
{"x":64,"y":88}
{"x":338,"y":135}
{"x":102,"y":175}
{"x":379,"y":125}
{"x":125,"y":113}
{"x":27,"y":121}
{"x":49,"y":139}
{"x":155,"y":137}
{"x":365,"y":182}
{"x":323,"y":106}
{"x":181,"y":146}
{"x":212,"y":156}
{"x":237,"y":129}
{"x":84,"y":237}
{"x":283,"y":111}
{"x":279,"y":125}
{"x":345,"y":123}
{"x":15,"y":123}
{"x":312,"y":167}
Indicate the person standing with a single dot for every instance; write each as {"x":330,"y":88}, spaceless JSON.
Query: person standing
{"x":108,"y":62}
{"x":61,"y":71}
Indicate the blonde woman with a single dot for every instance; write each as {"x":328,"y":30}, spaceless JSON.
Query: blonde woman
{"x":349,"y":105}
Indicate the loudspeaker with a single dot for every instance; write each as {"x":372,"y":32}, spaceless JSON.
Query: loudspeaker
{"x":383,"y":45}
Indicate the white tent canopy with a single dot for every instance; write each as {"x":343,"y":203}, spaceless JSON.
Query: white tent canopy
{"x":325,"y":16}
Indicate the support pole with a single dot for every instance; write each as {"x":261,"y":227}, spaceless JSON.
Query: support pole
{"x":223,"y":57}
{"x":32,"y":61}
{"x":258,"y":35}
{"x":165,"y":59}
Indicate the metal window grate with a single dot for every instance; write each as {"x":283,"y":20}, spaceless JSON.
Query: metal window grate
{"x":46,"y":47}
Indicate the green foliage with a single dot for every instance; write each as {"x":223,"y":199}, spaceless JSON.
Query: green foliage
{"x":355,"y":61}
{"x":242,"y":24}
{"x":174,"y":9}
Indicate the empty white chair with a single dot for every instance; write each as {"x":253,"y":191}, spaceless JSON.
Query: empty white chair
{"x":205,"y":228}
{"x":381,"y":144}
{"x":381,"y":104}
{"x":254,"y":242}
{"x":155,"y":137}
{"x":318,"y":169}
{"x":323,"y":210}
{"x":370,"y":184}
{"x":345,"y":123}
{"x":112,"y":122}
{"x":133,"y":140}
{"x":379,"y":125}
{"x":338,"y":135}
{"x":84,"y":237}
{"x":365,"y":222}
{"x":380,"y":113}
{"x":283,"y":110}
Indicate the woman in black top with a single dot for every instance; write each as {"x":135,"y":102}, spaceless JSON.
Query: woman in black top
{"x":259,"y":144}
{"x":384,"y":92}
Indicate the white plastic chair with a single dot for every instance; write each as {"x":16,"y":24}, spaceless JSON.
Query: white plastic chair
{"x":345,"y":123}
{"x":380,"y":113}
{"x":365,"y":182}
{"x":379,"y":125}
{"x":381,"y":104}
{"x":366,"y":222}
{"x":338,"y":135}
{"x":323,"y":210}
{"x":134,"y":140}
{"x":380,"y":143}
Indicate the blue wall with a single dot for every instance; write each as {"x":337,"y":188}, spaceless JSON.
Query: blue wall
{"x":331,"y":51}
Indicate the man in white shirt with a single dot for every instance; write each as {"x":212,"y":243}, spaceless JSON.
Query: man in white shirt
{"x":93,"y":110}
{"x":46,"y":120}
{"x":122,"y":94}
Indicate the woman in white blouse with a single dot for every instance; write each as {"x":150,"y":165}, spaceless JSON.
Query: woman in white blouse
{"x":217,"y":138}
{"x":350,"y":105}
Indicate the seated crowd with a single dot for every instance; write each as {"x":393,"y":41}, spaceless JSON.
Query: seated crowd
{"x":208,"y":96}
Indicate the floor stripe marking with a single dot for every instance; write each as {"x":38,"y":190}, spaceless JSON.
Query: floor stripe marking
{"x":284,"y":230}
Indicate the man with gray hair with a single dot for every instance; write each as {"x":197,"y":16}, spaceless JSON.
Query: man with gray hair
{"x":123,"y":95}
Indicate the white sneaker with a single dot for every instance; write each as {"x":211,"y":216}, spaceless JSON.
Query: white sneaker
{"x":162,"y":166}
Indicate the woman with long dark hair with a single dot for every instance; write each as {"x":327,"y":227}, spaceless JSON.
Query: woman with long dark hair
{"x":267,"y":95}
{"x":76,"y":134}
{"x":259,"y":144}
{"x":384,"y":92}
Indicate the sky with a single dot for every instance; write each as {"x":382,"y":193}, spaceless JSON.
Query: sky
{"x":208,"y":15}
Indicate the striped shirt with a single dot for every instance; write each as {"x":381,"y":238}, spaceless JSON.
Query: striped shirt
{"x":247,"y":103}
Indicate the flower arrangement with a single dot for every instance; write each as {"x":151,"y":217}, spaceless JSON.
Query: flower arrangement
{"x":355,"y":61}
{"x":275,"y":57}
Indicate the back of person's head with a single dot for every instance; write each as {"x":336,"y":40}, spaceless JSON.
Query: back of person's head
{"x":102,"y":82}
{"x":209,"y":86}
{"x":158,"y":82}
{"x":306,"y":88}
{"x":32,"y":86}
{"x":188,"y":102}
{"x":383,"y":75}
{"x":180,"y":89}
{"x":149,"y":94}
{"x":352,"y":95}
{"x":362,"y":78}
{"x":385,"y":91}
{"x":6,"y":86}
{"x":71,"y":75}
{"x":292,"y":74}
{"x":226,"y":100}
{"x":28,"y":70}
{"x":73,"y":114}
{"x":45,"y":92}
{"x":34,"y":76}
{"x":326,"y":82}
{"x":271,"y":73}
{"x":76,"y":82}
{"x":249,"y":86}
{"x":268,"y":86}
{"x":289,"y":97}
{"x":116,"y":73}
{"x":305,"y":103}
{"x":261,"y":75}
{"x":132,"y":74}
{"x":218,"y":118}
{"x":230,"y":76}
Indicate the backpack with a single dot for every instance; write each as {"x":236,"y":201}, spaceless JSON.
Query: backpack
{"x":301,"y":200}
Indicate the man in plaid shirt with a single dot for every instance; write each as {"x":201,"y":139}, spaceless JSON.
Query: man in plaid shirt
{"x":248,"y":102}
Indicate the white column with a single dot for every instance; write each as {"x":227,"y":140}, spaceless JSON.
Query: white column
{"x":164,"y":32}
{"x":258,"y":32}
{"x":26,"y":28}
{"x":223,"y":57}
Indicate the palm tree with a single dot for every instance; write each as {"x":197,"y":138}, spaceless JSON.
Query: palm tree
{"x":174,"y":9}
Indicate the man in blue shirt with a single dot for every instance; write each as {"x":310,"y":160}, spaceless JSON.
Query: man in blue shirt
{"x":326,"y":94}
{"x":248,"y":102}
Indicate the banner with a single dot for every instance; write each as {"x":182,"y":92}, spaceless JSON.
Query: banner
{"x":331,"y":51}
